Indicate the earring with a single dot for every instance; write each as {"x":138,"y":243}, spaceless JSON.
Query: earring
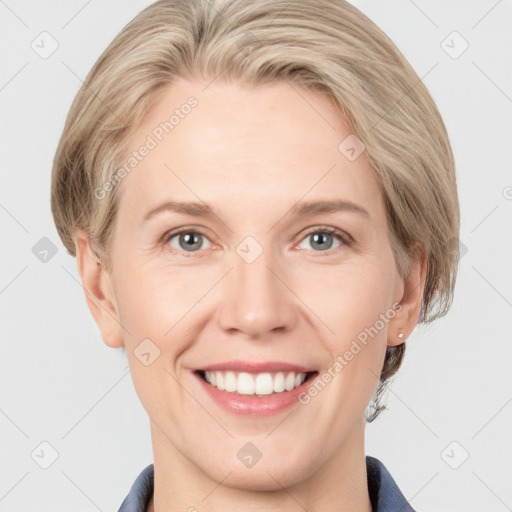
{"x":401,"y":335}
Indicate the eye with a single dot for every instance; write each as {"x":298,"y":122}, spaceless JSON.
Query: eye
{"x":189,"y":240}
{"x":186,"y":240}
{"x":321,"y":238}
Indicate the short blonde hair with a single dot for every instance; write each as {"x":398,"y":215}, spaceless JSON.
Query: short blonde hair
{"x":324,"y":45}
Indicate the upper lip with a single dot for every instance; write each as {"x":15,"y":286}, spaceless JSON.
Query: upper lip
{"x":256,"y":367}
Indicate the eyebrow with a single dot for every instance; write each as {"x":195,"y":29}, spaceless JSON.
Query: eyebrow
{"x":338,"y":205}
{"x":299,"y":209}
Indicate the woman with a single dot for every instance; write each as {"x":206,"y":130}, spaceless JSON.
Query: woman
{"x":261,"y":199}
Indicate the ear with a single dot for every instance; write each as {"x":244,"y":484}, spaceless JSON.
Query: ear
{"x":410,"y":301}
{"x":99,"y":292}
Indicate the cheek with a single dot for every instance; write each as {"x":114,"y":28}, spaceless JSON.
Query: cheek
{"x":358,"y":308}
{"x":159,"y":302}
{"x":154,"y":307}
{"x":351,"y":297}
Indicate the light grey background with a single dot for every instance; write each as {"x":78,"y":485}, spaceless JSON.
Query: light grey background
{"x":61,"y":385}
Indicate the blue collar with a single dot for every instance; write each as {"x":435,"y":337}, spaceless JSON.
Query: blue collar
{"x":385,"y":495}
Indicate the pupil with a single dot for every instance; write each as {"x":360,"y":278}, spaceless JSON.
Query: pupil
{"x":319,"y":239}
{"x":191,"y":240}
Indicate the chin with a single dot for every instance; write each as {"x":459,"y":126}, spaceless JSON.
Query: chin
{"x":270,"y":473}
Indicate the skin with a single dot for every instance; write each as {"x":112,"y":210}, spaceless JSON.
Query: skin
{"x":252,"y":153}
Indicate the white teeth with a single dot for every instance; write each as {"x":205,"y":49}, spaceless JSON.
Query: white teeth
{"x":264,"y":384}
{"x":279,"y":386}
{"x":289,"y":383}
{"x":229,"y":381}
{"x":220,"y":381}
{"x":245,"y":384}
{"x":255,"y":384}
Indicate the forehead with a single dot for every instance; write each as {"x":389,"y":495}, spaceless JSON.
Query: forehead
{"x":260,"y":145}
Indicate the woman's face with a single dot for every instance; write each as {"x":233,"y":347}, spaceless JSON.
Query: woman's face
{"x":255,"y":277}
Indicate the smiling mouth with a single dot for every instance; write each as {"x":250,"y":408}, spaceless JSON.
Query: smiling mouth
{"x":255,"y":384}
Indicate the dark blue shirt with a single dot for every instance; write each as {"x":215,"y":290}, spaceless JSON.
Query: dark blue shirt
{"x":385,"y":495}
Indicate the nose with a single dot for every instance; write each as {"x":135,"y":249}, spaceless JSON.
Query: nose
{"x":257,"y":299}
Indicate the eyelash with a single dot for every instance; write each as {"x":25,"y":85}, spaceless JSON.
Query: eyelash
{"x":345,"y":238}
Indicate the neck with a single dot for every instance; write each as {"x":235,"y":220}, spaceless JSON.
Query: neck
{"x":339,"y":485}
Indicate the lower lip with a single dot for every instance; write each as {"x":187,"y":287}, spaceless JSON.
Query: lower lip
{"x":251,"y":405}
